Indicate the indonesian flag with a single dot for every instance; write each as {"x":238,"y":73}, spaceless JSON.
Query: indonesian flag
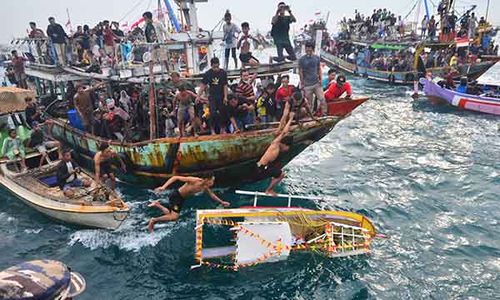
{"x":462,"y":42}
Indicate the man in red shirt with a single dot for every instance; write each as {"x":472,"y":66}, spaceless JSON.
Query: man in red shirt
{"x":283,"y":95}
{"x":109,"y":40}
{"x":39,"y":37}
{"x":18,"y":64}
{"x":337,"y":89}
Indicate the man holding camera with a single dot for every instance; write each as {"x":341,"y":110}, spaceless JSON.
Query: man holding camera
{"x":280,"y":32}
{"x":67,"y":175}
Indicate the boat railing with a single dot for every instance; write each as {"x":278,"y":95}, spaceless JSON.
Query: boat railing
{"x":289,"y":197}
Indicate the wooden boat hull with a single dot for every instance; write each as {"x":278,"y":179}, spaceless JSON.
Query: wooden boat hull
{"x":472,"y":71}
{"x":343,"y":107}
{"x":232,"y":158}
{"x":463,"y":101}
{"x":89,"y":216}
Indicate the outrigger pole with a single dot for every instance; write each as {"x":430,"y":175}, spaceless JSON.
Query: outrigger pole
{"x":172,"y":17}
{"x":487,"y":11}
{"x":427,"y":10}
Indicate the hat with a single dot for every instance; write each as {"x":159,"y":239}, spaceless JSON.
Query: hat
{"x":110,"y":103}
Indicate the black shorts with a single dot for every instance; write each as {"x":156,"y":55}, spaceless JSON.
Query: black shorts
{"x":175,"y":201}
{"x":269,"y":171}
{"x":246,"y":57}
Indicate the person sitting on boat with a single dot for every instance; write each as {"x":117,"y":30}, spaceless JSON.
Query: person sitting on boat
{"x":116,"y":119}
{"x":33,"y":113}
{"x":268,"y":166}
{"x":13,"y":148}
{"x":283,"y":95}
{"x":67,"y":175}
{"x":327,"y":81}
{"x":246,"y":57}
{"x":103,"y":162}
{"x":265,"y":105}
{"x":191,"y":187}
{"x":338,"y":89}
{"x":37,"y":141}
{"x":462,"y":87}
{"x":474,"y":89}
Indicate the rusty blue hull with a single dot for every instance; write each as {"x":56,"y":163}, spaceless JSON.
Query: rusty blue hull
{"x":473,"y":71}
{"x":231,"y":157}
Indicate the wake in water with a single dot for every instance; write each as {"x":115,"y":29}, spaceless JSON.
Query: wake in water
{"x":131,"y":236}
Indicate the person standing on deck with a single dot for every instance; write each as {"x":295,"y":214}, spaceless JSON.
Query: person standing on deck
{"x":230,"y":38}
{"x":58,"y":38}
{"x":280,"y":32}
{"x":18,"y":64}
{"x":83,"y":104}
{"x":267,"y":166}
{"x":37,"y":34}
{"x":310,"y":77}
{"x":191,"y":186}
{"x":215,"y":80}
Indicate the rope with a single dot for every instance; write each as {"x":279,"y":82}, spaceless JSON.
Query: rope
{"x":130,"y":11}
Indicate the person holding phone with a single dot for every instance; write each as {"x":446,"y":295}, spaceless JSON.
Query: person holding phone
{"x":280,"y":32}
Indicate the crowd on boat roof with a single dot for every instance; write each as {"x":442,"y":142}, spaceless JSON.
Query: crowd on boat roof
{"x":384,"y":26}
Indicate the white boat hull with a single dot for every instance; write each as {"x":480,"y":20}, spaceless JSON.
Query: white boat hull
{"x":89,"y":216}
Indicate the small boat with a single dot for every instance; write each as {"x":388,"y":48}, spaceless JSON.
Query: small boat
{"x":482,"y":104}
{"x":268,"y":234}
{"x":95,"y":206}
{"x":344,"y":106}
{"x":40,"y":280}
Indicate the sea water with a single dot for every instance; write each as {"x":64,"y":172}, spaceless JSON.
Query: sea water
{"x":427,"y":176}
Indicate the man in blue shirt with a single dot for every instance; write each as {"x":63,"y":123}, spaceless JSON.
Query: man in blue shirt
{"x":310,"y":77}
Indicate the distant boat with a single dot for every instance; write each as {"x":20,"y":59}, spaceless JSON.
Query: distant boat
{"x":481,"y":104}
{"x":40,"y":280}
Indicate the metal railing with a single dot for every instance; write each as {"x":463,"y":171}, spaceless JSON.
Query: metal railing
{"x":256,"y":195}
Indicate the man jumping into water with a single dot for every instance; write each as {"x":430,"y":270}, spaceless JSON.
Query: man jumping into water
{"x":266,"y":167}
{"x":191,"y":186}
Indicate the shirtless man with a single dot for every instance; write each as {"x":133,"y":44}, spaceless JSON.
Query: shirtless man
{"x":246,"y":57}
{"x":103,"y":161}
{"x":266,"y":167}
{"x":191,"y":186}
{"x":83,"y":104}
{"x":184,"y":100}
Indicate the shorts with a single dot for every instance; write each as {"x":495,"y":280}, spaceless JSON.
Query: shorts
{"x":13,"y":155}
{"x":269,"y":171}
{"x":176,"y":201}
{"x":246,"y":57}
{"x":43,"y":147}
{"x":182,"y":110}
{"x":77,"y":183}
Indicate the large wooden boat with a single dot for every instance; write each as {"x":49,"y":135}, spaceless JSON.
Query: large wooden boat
{"x":268,"y":234}
{"x":481,"y":104}
{"x":231,"y":157}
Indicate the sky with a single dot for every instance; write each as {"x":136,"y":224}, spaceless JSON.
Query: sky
{"x":15,"y":15}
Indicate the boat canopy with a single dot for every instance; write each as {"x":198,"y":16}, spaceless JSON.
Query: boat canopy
{"x":13,"y":99}
{"x":380,"y":46}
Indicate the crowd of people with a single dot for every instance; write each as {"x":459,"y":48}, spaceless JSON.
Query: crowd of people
{"x":382,"y":24}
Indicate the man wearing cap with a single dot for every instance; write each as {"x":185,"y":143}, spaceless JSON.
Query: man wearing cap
{"x":116,"y":118}
{"x":310,"y":77}
{"x":280,"y":32}
{"x":338,"y":88}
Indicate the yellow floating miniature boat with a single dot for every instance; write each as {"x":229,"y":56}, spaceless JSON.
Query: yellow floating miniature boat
{"x":269,"y":234}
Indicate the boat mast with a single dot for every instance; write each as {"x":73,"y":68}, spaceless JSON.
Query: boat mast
{"x":487,"y":11}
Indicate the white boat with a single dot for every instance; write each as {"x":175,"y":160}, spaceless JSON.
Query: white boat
{"x":95,"y":206}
